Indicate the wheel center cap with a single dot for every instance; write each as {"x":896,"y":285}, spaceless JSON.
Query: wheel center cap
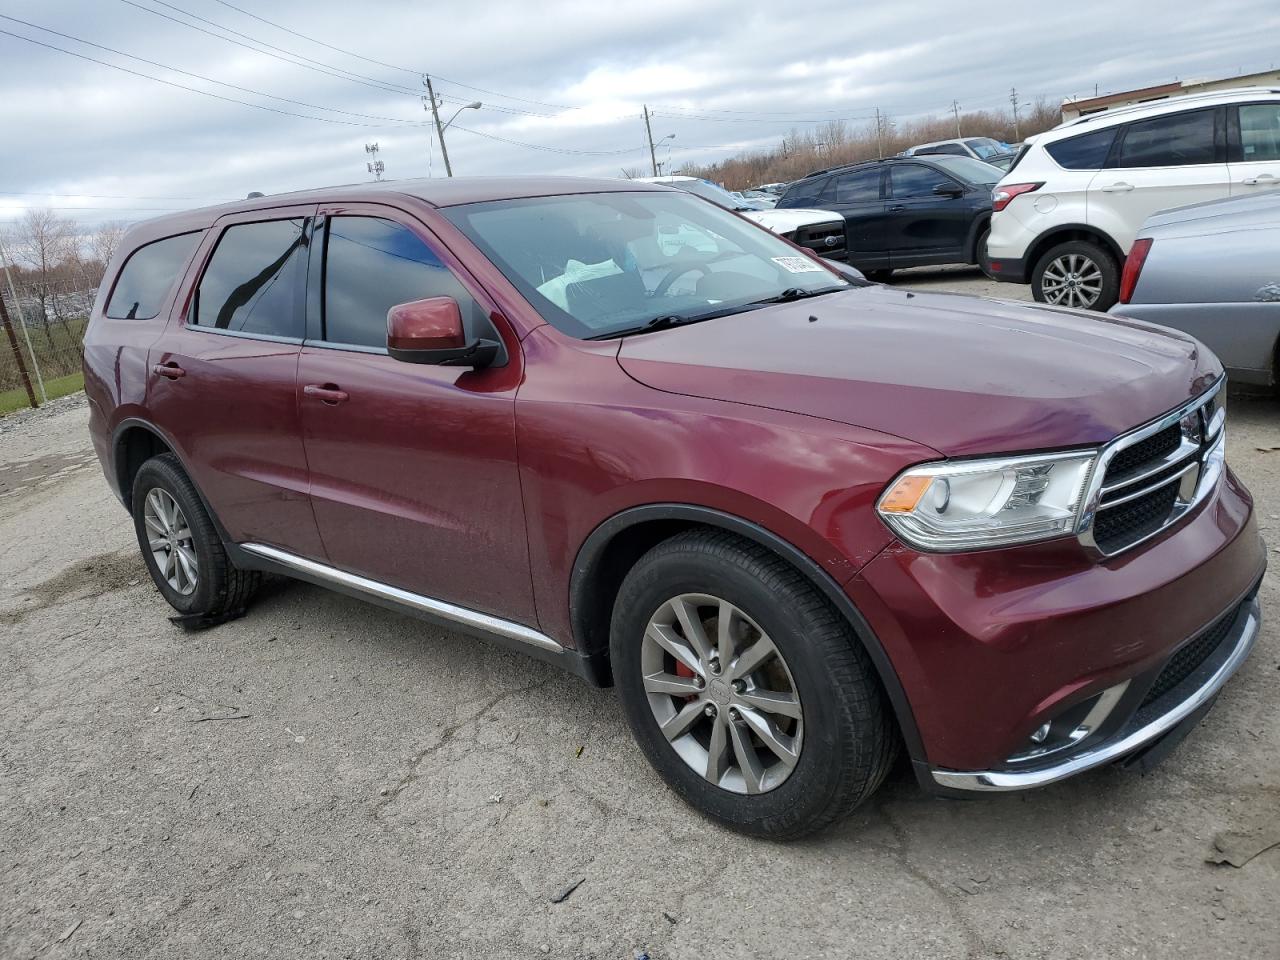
{"x":719,"y":692}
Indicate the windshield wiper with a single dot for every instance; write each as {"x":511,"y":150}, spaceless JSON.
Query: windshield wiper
{"x":669,"y":320}
{"x":796,"y":293}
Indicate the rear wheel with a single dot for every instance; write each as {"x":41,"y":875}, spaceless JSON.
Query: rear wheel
{"x":878,"y":276}
{"x":1077,"y":274}
{"x":181,"y":546}
{"x":747,"y":692}
{"x":980,"y":251}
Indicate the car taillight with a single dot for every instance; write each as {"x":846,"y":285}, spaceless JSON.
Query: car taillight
{"x":1133,"y":267}
{"x":1005,"y":192}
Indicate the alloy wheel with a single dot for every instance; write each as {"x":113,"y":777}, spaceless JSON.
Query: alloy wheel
{"x":1072,"y":280}
{"x":722,"y":693}
{"x":170,"y":540}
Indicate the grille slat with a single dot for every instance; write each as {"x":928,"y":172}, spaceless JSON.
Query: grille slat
{"x":1129,"y":522}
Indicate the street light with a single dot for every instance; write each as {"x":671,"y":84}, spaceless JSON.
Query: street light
{"x":667,"y":162}
{"x":444,"y":152}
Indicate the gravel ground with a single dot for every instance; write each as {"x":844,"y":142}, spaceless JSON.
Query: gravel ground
{"x":325,"y":778}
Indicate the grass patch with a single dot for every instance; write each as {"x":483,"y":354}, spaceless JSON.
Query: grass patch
{"x":12,"y":400}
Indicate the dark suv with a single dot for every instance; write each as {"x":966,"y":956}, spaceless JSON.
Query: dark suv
{"x":799,"y":520}
{"x":905,"y":211}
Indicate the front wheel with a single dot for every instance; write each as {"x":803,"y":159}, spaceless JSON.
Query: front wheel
{"x":181,"y":546}
{"x":1077,"y":274}
{"x":747,"y":692}
{"x":878,"y":276}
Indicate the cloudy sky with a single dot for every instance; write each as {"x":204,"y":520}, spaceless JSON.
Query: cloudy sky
{"x":562,"y":83}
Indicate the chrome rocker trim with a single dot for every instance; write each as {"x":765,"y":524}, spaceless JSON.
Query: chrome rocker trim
{"x":394,"y":596}
{"x":1105,"y":753}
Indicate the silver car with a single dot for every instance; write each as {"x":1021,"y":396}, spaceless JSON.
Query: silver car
{"x":1213,"y":271}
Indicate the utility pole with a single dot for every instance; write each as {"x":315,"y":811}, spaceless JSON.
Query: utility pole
{"x":375,"y":166}
{"x":1013,"y":99}
{"x":430,"y":98}
{"x":653,"y":155}
{"x":955,"y":108}
{"x":17,"y":353}
{"x":879,"y":143}
{"x":26,"y":335}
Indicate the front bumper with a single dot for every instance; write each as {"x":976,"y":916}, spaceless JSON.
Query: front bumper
{"x":1147,"y":724}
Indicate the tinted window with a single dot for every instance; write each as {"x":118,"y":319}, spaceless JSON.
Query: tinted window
{"x":370,"y":266}
{"x":147,"y":277}
{"x":969,"y":169}
{"x":1260,"y":132}
{"x":943,"y":148}
{"x":915,"y":180}
{"x":804,"y":193}
{"x":1175,"y":141}
{"x":858,"y":187}
{"x":1086,"y":152}
{"x":252,"y":282}
{"x":985,"y":147}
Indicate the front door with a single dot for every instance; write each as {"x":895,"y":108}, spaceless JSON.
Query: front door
{"x":413,"y":467}
{"x":222,"y":382}
{"x":926,"y":227}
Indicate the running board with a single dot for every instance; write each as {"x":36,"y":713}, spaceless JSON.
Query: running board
{"x":325,"y":575}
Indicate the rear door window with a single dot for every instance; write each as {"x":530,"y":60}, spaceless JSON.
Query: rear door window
{"x":373,"y":264}
{"x":148,"y":276}
{"x":805,"y":193}
{"x":914,"y":180}
{"x":1178,"y":140}
{"x":860,"y":186}
{"x":1259,"y":132}
{"x":253,"y":283}
{"x":1085,"y":152}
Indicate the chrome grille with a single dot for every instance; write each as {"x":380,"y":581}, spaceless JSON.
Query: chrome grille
{"x":1147,"y":479}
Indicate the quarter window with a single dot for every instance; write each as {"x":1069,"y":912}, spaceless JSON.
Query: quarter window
{"x":1180,"y":140}
{"x":148,"y":276}
{"x":913,"y":180}
{"x":1260,"y":132}
{"x":371,"y":265}
{"x":252,"y":282}
{"x":1086,"y":152}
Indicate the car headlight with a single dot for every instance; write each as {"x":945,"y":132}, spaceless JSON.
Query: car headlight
{"x":970,"y":504}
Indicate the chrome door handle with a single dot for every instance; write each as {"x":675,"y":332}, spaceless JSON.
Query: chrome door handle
{"x":1118,"y":188}
{"x":1262,"y":178}
{"x":328,"y":393}
{"x":169,"y":370}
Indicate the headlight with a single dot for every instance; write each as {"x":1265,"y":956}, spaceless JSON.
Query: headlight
{"x":971,"y":504}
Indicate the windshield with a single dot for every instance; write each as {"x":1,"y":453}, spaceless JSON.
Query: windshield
{"x":985,"y":147}
{"x":604,"y":264}
{"x":969,"y":169}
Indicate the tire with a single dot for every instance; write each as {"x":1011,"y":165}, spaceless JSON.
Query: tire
{"x":1085,"y":261}
{"x":980,"y":251}
{"x":847,"y":739}
{"x":878,"y":276}
{"x":218,"y":587}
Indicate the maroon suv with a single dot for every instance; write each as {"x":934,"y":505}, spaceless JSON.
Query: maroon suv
{"x":795,"y":518}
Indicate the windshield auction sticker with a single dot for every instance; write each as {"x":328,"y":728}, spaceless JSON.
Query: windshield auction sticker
{"x":797,"y":264}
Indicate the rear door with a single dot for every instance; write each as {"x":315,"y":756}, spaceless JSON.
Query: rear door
{"x":925,"y":227}
{"x":1156,"y":164}
{"x":223,"y":377}
{"x":413,"y":467}
{"x":858,"y":197}
{"x":1254,"y":147}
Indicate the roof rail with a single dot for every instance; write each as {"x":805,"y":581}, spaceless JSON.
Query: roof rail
{"x":1166,"y":101}
{"x":845,"y":166}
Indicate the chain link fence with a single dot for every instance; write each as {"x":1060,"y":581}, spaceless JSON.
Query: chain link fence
{"x":43,"y":339}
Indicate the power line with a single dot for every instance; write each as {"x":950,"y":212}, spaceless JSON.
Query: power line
{"x":539,"y":146}
{"x":93,"y":196}
{"x":198,"y":76}
{"x":181,"y":86}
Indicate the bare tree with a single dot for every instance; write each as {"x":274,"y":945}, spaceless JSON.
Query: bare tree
{"x":105,"y":241}
{"x":43,"y":241}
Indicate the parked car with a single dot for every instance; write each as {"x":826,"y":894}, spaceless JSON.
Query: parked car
{"x":1067,"y":211}
{"x":904,"y":212}
{"x":769,"y":200}
{"x":980,"y":148}
{"x":775,"y":189}
{"x":1213,"y":270}
{"x":799,"y":522}
{"x":821,"y":231}
{"x":1002,"y":161}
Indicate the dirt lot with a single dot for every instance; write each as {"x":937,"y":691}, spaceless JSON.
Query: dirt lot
{"x":327,"y":779}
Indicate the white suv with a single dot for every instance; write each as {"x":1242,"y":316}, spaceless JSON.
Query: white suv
{"x":1066,"y":213}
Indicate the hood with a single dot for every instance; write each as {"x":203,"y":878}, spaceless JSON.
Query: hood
{"x":1212,"y":216}
{"x":963,"y":375}
{"x":790,"y":218}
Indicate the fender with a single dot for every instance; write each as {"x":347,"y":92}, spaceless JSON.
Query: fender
{"x":1041,"y":243}
{"x":594,"y":546}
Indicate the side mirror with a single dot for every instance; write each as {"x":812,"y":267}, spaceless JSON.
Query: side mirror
{"x":430,"y":331}
{"x":949,"y":190}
